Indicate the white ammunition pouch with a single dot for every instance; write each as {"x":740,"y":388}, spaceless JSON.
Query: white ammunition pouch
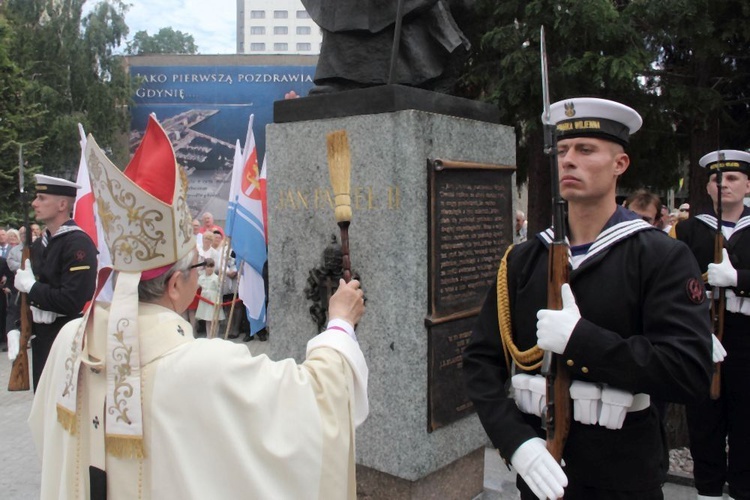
{"x":734,"y":304}
{"x":592,"y":403}
{"x":42,"y":317}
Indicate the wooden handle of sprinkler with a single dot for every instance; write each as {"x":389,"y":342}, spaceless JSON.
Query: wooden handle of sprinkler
{"x":346,"y":263}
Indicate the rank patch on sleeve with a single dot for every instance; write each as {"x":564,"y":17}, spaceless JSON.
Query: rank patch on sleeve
{"x":696,"y":292}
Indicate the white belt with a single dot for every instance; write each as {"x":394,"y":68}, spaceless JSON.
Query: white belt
{"x":641,"y":401}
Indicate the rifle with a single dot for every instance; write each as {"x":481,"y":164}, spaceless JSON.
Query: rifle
{"x":558,"y":411}
{"x":19,"y":373}
{"x":719,"y":294}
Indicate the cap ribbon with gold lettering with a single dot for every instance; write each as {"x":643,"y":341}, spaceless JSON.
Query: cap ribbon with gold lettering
{"x":594,"y":117}
{"x":726,"y":160}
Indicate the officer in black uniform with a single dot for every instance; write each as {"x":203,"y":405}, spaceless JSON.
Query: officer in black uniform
{"x":712,"y":422}
{"x":634,"y":325}
{"x":59,"y":286}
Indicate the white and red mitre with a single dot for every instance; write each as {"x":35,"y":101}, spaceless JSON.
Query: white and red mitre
{"x":147,"y":227}
{"x":143,"y":209}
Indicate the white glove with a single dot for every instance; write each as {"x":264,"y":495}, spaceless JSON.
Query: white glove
{"x":615,"y":404}
{"x":723,"y":274}
{"x":40,"y":316}
{"x":718,"y":353}
{"x":538,"y":388}
{"x":14,"y":341}
{"x":553,"y":328}
{"x":586,"y":398}
{"x":521,"y":392}
{"x":24,"y":278}
{"x":539,"y":470}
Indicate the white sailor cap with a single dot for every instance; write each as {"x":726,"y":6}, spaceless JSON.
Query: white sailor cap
{"x":593,"y":117}
{"x":54,"y":185}
{"x":726,"y":160}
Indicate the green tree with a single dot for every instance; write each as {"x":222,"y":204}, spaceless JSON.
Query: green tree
{"x":166,"y":41}
{"x":683,"y":64}
{"x":19,"y":122}
{"x":702,"y":70}
{"x":71,"y":75}
{"x":593,"y":49}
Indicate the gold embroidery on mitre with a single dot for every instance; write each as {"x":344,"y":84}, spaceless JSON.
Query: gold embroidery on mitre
{"x":133,"y":232}
{"x":141,"y":231}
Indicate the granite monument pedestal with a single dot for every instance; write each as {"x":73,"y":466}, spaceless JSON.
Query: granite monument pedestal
{"x":404,"y":210}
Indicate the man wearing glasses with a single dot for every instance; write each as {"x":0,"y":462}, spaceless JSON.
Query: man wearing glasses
{"x":646,"y":205}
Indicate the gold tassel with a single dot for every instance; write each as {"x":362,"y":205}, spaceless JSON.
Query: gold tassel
{"x":68,"y":419}
{"x":339,"y":168}
{"x":125,"y":446}
{"x":527,"y":360}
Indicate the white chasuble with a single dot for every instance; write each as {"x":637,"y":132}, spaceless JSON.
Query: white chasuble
{"x":217,"y":421}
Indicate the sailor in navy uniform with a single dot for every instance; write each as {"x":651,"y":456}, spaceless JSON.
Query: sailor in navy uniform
{"x":711,"y":423}
{"x":634,"y":326}
{"x":60,"y":284}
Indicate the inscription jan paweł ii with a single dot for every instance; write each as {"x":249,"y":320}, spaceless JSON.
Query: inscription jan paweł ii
{"x":362,"y":198}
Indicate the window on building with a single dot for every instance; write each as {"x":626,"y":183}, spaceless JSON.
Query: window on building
{"x":280,"y":30}
{"x":280,"y":14}
{"x":257,"y":14}
{"x":256,"y":47}
{"x":242,"y":47}
{"x":281,"y":46}
{"x":302,"y":14}
{"x":257,"y":30}
{"x":302,"y":47}
{"x":303,"y":30}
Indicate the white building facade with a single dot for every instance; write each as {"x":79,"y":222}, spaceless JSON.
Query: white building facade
{"x":276,"y":27}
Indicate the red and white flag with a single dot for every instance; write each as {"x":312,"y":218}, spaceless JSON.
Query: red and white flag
{"x":86,"y":216}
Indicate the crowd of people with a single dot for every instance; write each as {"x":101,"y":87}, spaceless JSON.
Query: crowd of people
{"x":48,"y":268}
{"x":221,"y":285}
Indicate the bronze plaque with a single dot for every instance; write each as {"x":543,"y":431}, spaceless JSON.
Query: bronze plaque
{"x":446,"y":399}
{"x":471,"y":225}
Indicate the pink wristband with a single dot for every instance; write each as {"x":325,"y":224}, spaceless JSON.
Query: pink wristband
{"x":337,"y":328}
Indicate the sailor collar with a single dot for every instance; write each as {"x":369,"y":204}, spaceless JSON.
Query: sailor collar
{"x":620,"y":226}
{"x":68,"y":226}
{"x":709,"y":219}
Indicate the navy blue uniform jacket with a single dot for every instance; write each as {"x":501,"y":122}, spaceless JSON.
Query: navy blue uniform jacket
{"x":644,"y":329}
